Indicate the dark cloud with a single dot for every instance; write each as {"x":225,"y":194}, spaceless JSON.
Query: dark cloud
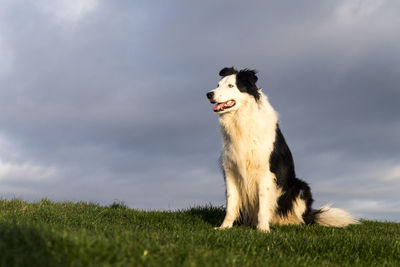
{"x":102,"y":101}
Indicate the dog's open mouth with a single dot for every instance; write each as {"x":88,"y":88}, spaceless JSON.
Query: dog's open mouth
{"x":224,"y":105}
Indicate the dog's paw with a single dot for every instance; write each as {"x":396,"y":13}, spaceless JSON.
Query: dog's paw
{"x":263,"y":228}
{"x":222,"y":227}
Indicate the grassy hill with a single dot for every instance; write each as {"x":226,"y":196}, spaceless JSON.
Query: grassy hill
{"x":84,"y":234}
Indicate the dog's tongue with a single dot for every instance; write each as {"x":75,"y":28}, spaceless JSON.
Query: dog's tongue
{"x":222,"y":106}
{"x":218,"y":107}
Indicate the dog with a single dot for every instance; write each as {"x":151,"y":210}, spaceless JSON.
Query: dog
{"x":261,"y":185}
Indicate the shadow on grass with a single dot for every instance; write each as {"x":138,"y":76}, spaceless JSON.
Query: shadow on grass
{"x":209,"y":214}
{"x":26,"y":246}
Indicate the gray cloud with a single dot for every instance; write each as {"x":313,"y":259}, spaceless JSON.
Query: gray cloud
{"x":105,"y":100}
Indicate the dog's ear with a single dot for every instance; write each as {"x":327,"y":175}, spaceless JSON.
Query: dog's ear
{"x":249,"y":75}
{"x":227,"y":71}
{"x":246,"y":82}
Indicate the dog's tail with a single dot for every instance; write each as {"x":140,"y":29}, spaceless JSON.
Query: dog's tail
{"x":333,"y":217}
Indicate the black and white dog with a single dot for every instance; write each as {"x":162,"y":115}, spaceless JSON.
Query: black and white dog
{"x":261,"y":184}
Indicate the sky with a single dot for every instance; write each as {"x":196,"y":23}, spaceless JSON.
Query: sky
{"x":104,"y":101}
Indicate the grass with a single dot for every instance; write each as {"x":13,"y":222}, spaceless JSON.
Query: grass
{"x":84,"y":234}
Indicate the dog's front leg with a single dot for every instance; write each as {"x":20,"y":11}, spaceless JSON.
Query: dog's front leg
{"x":232,"y":202}
{"x":267,"y":196}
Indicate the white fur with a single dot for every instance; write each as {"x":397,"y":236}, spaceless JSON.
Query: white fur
{"x":294,"y":217}
{"x":335,"y":217}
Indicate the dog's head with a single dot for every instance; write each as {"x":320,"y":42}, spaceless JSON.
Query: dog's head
{"x":233,"y":89}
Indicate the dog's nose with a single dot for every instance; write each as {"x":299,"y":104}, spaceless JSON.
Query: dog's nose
{"x":210,"y":95}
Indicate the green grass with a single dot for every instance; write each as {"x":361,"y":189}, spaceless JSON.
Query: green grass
{"x":84,"y":234}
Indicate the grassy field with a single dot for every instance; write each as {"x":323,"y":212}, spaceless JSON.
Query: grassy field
{"x":84,"y":234}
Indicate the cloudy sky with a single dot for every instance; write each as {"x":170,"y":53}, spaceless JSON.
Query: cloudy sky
{"x":105,"y":100}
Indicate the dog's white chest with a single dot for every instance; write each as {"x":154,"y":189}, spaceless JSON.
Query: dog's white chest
{"x":248,"y":157}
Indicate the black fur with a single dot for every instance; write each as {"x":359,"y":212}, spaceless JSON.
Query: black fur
{"x":227,"y":71}
{"x":245,"y":80}
{"x":282,"y":165}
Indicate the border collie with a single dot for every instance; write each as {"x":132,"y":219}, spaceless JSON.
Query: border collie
{"x":261,"y":184}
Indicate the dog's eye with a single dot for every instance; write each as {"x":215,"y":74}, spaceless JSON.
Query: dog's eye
{"x":230,"y":85}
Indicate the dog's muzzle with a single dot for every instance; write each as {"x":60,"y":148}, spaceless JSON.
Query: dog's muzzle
{"x":210,"y":96}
